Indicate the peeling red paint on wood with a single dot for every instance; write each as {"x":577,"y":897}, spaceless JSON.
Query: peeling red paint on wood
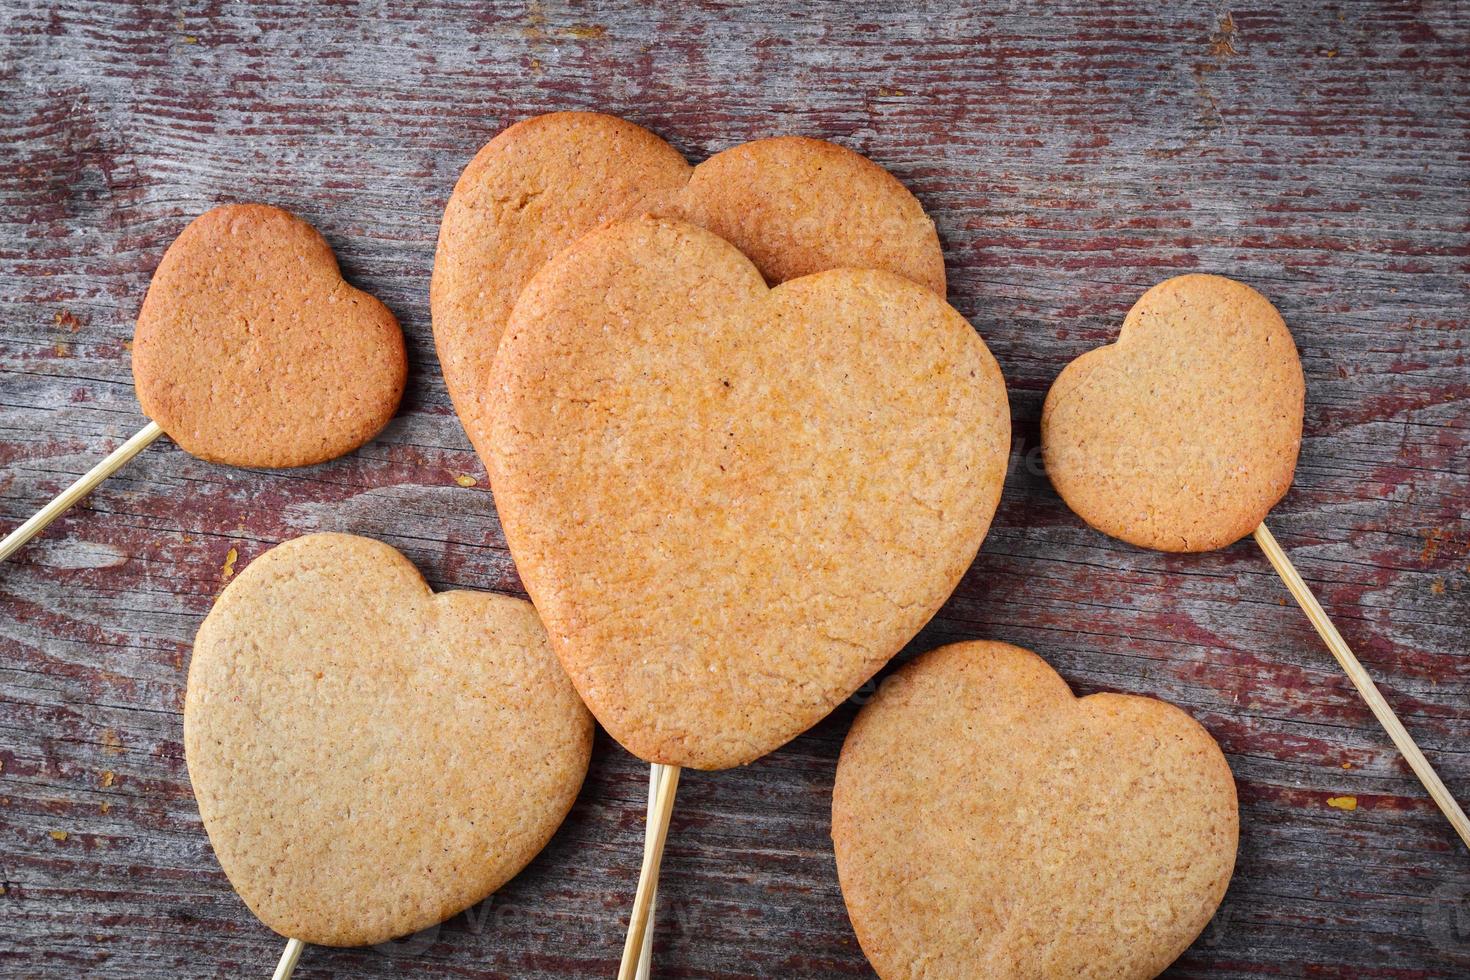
{"x":1072,"y":155}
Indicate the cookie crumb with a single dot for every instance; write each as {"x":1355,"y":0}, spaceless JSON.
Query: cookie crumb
{"x":465,"y":480}
{"x":1222,"y":44}
{"x":108,"y":778}
{"x":1343,"y":802}
{"x":229,"y":566}
{"x":58,"y":835}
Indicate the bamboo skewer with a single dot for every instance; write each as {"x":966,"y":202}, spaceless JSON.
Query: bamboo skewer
{"x":69,"y":497}
{"x":1364,"y":683}
{"x":645,"y":960}
{"x":287,"y":966}
{"x":653,"y":855}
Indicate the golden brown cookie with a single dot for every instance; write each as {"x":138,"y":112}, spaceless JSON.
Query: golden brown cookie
{"x":251,"y":350}
{"x":732,"y":504}
{"x":794,"y":205}
{"x":1184,"y":433}
{"x":989,"y":824}
{"x":369,"y":757}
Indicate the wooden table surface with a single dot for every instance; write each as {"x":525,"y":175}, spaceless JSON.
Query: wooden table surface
{"x":1072,"y":155}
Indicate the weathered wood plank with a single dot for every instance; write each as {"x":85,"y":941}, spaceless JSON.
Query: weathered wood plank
{"x":1072,"y":154}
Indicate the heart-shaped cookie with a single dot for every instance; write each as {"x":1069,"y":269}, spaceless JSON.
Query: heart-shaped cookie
{"x":989,"y":824}
{"x":251,"y":350}
{"x":732,"y":504}
{"x":370,"y":758}
{"x":1184,"y":433}
{"x":794,"y":206}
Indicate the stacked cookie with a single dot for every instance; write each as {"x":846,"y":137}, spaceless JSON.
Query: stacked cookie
{"x":701,"y":477}
{"x":793,"y":206}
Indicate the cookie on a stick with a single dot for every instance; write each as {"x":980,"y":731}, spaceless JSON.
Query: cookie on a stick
{"x":989,"y":824}
{"x":251,"y":350}
{"x":370,"y":758}
{"x":732,"y":504}
{"x":1183,"y":434}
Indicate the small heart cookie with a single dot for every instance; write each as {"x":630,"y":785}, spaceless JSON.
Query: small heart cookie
{"x":251,"y":350}
{"x":989,"y":824}
{"x":1184,"y":433}
{"x":732,"y":504}
{"x":370,"y":758}
{"x":794,"y":206}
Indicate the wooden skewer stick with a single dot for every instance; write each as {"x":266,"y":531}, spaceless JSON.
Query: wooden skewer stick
{"x":69,"y":497}
{"x":1363,"y":683}
{"x":287,"y":966}
{"x":653,"y":856}
{"x":645,"y":960}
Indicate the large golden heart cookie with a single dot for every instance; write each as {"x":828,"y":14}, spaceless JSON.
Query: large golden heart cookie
{"x":732,"y":504}
{"x":1184,"y":433}
{"x":370,"y":758}
{"x":794,"y":206}
{"x":251,"y":350}
{"x":989,"y":824}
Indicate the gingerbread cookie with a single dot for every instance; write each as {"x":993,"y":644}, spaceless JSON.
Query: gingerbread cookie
{"x":250,"y":349}
{"x":732,"y":504}
{"x":793,"y":205}
{"x":370,"y":758}
{"x":989,"y":824}
{"x":1184,"y":433}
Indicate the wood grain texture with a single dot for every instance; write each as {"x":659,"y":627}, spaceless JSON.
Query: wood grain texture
{"x":1072,"y":155}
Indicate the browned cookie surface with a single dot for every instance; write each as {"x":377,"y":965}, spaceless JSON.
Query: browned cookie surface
{"x":531,"y":191}
{"x":250,"y":349}
{"x":794,"y":205}
{"x":989,"y":824}
{"x":370,"y":758}
{"x":1184,"y":433}
{"x":732,"y":504}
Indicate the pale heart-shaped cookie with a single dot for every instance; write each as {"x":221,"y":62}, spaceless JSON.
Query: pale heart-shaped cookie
{"x":251,"y":350}
{"x":370,"y":758}
{"x":989,"y":824}
{"x":1184,"y":433}
{"x":732,"y":504}
{"x":794,"y":206}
